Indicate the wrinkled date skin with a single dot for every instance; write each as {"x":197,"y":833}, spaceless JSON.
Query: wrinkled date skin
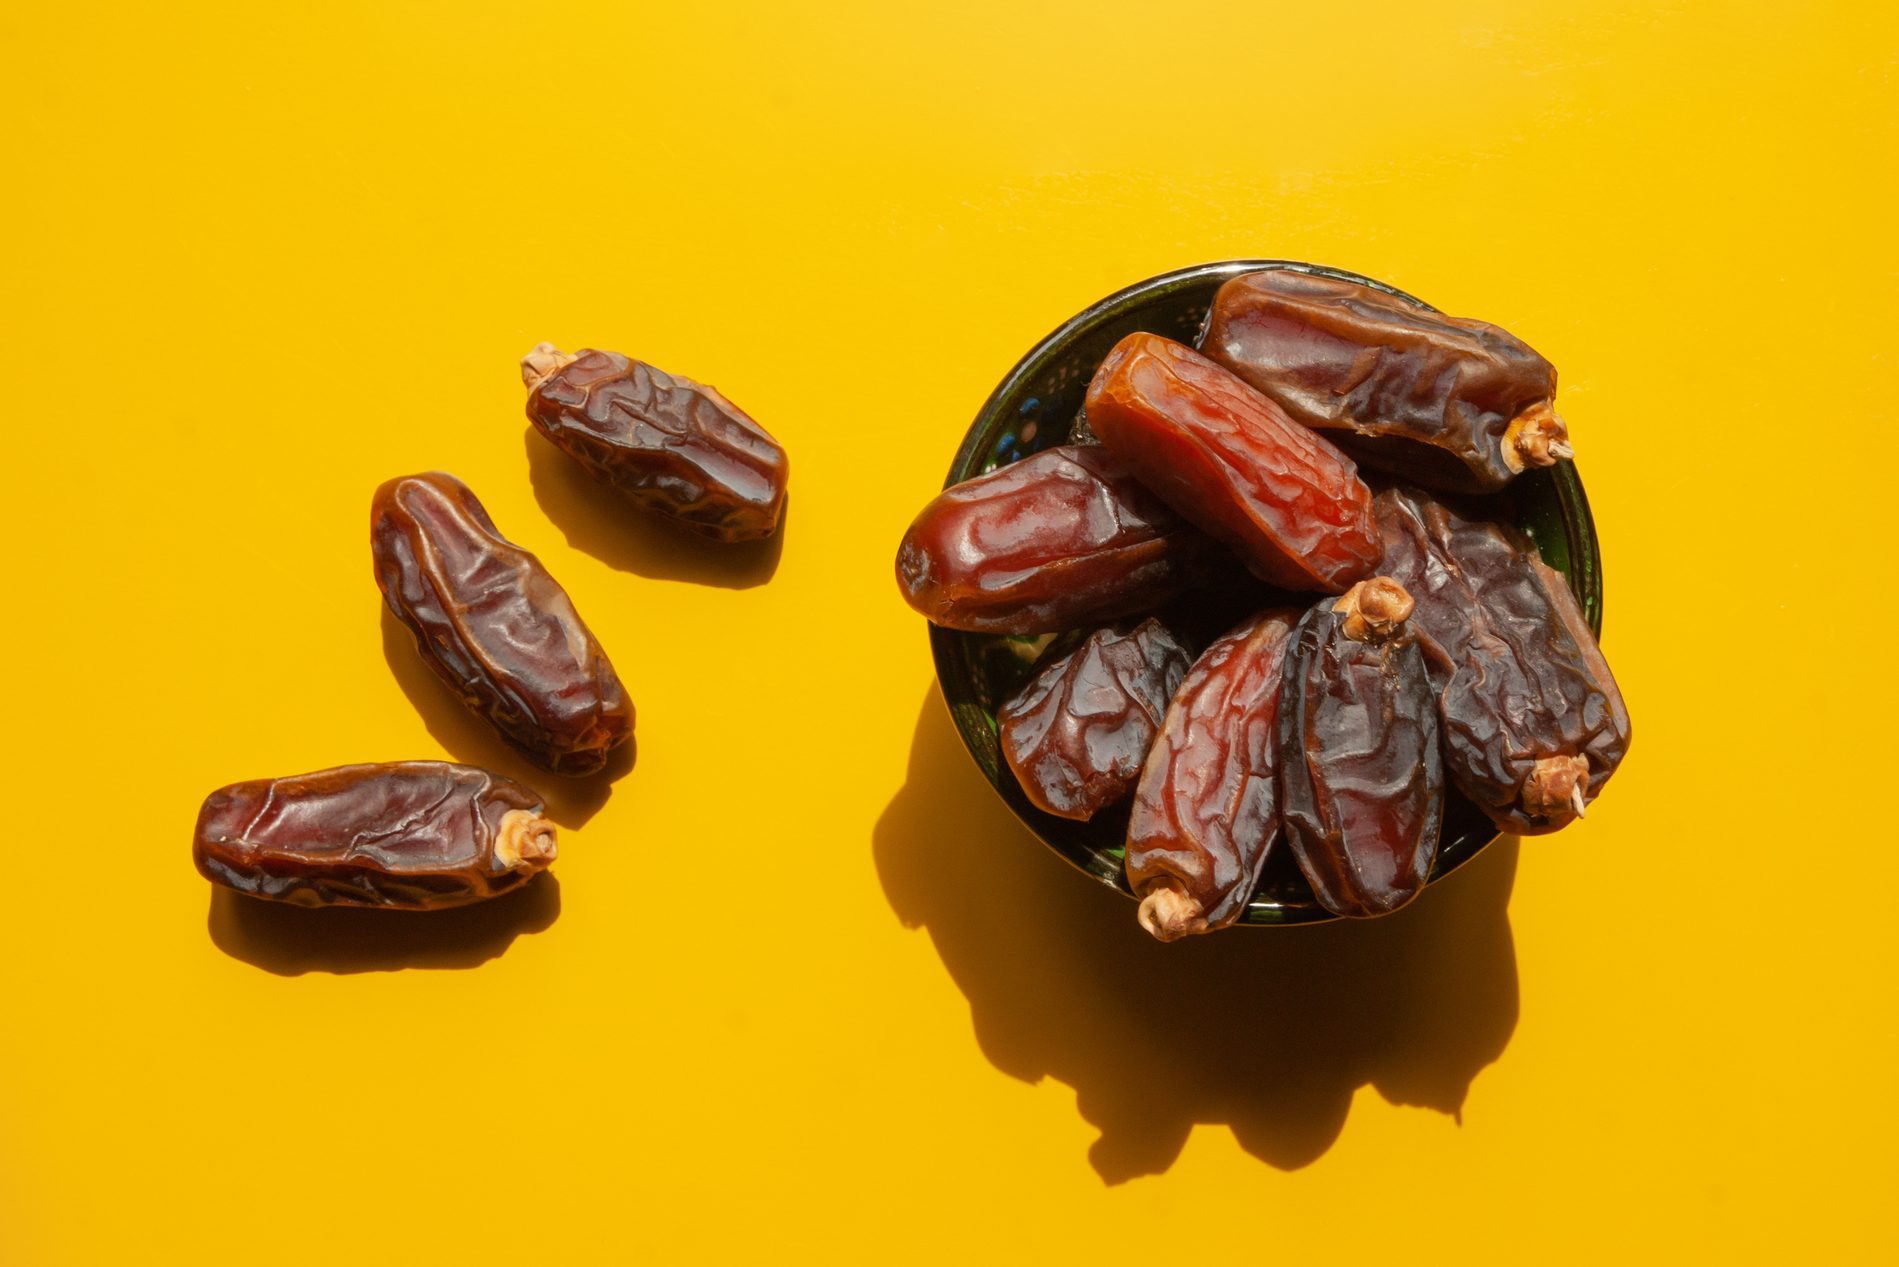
{"x":1450,"y":403}
{"x":405,"y":835}
{"x":1206,"y":811}
{"x":1229,"y":460}
{"x":1077,"y":734}
{"x":494,"y":625}
{"x":665,"y":442}
{"x":1361,"y":783}
{"x":1533,"y":722}
{"x":1063,"y":539}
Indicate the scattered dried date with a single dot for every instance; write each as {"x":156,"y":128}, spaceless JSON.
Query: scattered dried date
{"x":1206,"y":810}
{"x":1077,"y":734}
{"x":1533,"y":722}
{"x":1451,"y":403}
{"x":494,"y":625}
{"x":408,"y":835}
{"x":1228,"y":459}
{"x":1361,"y":784}
{"x":1063,"y":539}
{"x":664,"y":441}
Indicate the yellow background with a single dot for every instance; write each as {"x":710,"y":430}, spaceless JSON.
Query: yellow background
{"x":802,"y":986}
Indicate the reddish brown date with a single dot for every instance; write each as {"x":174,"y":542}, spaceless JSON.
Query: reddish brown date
{"x":663,"y":441}
{"x":1361,"y":784}
{"x":1077,"y":734}
{"x":1533,"y":723}
{"x":406,"y":835}
{"x":1451,"y":403}
{"x":1206,"y":811}
{"x":494,"y":625}
{"x":1229,"y":460}
{"x":1063,"y":539}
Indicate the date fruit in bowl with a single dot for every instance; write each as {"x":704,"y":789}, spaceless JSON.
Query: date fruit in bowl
{"x":1039,"y":405}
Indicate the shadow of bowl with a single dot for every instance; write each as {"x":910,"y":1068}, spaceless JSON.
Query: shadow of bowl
{"x":1269,"y":1036}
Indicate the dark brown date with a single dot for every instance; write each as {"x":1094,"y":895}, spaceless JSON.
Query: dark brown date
{"x":405,"y":835}
{"x":1063,"y":539}
{"x":1451,"y":403}
{"x":494,"y":625}
{"x":1077,"y":734}
{"x":663,"y":441}
{"x":1361,"y":783}
{"x":1206,"y":811}
{"x":1533,"y":722}
{"x":1229,"y":460}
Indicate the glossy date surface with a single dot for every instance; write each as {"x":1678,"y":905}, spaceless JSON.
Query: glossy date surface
{"x":1450,"y":403}
{"x":664,"y":441}
{"x":406,"y":835}
{"x":1206,"y":809}
{"x":493,"y":624}
{"x":1230,"y":460}
{"x":1063,"y":539}
{"x":1533,"y":722}
{"x":1077,"y":733}
{"x":1361,"y":784}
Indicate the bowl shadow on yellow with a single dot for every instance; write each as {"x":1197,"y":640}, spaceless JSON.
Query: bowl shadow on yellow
{"x":292,"y":940}
{"x":471,"y":740}
{"x":600,"y":522}
{"x":1267,"y":1031}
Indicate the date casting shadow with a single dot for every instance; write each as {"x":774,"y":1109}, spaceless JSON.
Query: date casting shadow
{"x":602,"y":523}
{"x":1267,"y":1031}
{"x":471,"y":740}
{"x":293,"y":940}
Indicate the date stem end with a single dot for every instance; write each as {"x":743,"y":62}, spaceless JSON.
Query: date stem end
{"x":1375,"y":609}
{"x":1536,"y":437}
{"x":1169,"y":914}
{"x":526,"y":841}
{"x":1554,"y":790}
{"x":542,"y":360}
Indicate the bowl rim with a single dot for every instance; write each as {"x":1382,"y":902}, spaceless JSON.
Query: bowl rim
{"x":949,"y":650}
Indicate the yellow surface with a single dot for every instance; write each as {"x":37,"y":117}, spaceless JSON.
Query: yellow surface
{"x":803,"y":989}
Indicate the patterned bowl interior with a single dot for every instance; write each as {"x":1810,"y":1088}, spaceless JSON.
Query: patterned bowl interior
{"x":1037,"y":405}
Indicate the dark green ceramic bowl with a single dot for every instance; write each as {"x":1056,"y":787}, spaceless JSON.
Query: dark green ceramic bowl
{"x":1033,"y":409}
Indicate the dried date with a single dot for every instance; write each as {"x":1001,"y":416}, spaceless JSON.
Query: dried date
{"x":406,"y":835}
{"x":662,"y":440}
{"x":1077,"y":734}
{"x":494,"y":625}
{"x":1361,"y":783}
{"x":1062,"y":539}
{"x":1206,"y":810}
{"x":1229,"y":460}
{"x":1533,"y":722}
{"x":1451,"y":403}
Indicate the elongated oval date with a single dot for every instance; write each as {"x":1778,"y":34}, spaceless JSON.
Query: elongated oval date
{"x":1063,"y":539}
{"x":1228,"y":459}
{"x":663,"y":441}
{"x":1206,"y":811}
{"x":494,"y":625}
{"x":1533,"y":722}
{"x":404,"y":835}
{"x":1077,"y":734}
{"x":1361,"y":784}
{"x":1450,"y":403}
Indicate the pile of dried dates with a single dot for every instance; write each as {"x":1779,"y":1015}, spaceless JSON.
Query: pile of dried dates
{"x":1443,"y":653}
{"x":501,"y":632}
